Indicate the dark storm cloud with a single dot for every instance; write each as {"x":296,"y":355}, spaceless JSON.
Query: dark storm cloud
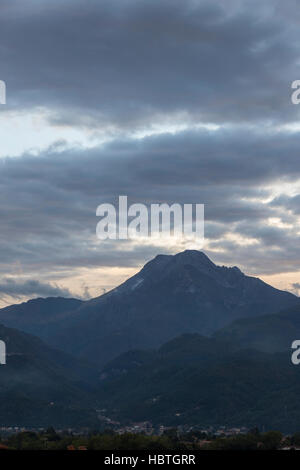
{"x":257,"y":260}
{"x":128,"y":63}
{"x":275,"y":249}
{"x":48,"y":203}
{"x":17,"y":289}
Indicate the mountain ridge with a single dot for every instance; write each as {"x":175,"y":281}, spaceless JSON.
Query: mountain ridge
{"x":203,"y":381}
{"x":266,"y":333}
{"x":41,"y":386}
{"x":169,"y":296}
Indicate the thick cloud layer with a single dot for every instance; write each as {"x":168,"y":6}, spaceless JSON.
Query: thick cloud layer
{"x":17,"y":289}
{"x":50,"y":201}
{"x":129,"y":64}
{"x":194,"y":101}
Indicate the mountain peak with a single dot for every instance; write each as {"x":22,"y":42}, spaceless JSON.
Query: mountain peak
{"x":163,"y":264}
{"x":193,"y":257}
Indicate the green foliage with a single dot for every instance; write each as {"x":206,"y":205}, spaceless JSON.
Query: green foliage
{"x":295,"y":439}
{"x":242,"y":442}
{"x":50,"y":440}
{"x":252,"y":441}
{"x":271,"y":440}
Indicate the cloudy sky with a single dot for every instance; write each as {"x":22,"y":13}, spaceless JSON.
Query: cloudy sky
{"x":163,"y":101}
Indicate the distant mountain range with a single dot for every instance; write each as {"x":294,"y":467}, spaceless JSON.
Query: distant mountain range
{"x":268,"y":333}
{"x":182,"y":341}
{"x":40,"y":386}
{"x":171,"y":295}
{"x":203,"y":381}
{"x":40,"y":317}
